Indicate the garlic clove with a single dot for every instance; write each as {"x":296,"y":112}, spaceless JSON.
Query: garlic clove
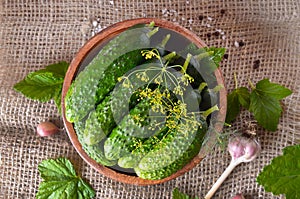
{"x":238,"y":196}
{"x":47,"y":129}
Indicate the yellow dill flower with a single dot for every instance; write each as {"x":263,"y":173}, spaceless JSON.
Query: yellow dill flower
{"x":172,"y":124}
{"x":158,"y":80}
{"x":186,"y":79}
{"x":178,"y":90}
{"x":190,"y":78}
{"x":120,"y":78}
{"x":148,"y":54}
{"x":142,"y":76}
{"x":126,"y":83}
{"x":136,"y":118}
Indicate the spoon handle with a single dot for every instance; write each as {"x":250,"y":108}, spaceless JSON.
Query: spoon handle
{"x":221,"y":179}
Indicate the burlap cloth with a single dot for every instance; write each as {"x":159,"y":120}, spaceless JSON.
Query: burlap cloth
{"x":34,"y":34}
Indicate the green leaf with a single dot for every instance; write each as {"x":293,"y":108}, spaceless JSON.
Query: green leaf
{"x":243,"y":96}
{"x":266,"y":109}
{"x":273,"y":90}
{"x":233,"y":107}
{"x":57,"y":98}
{"x":56,"y":169}
{"x":39,"y":86}
{"x":58,"y":69}
{"x":44,"y":84}
{"x":61,"y":181}
{"x":282,"y":176}
{"x":265,"y":103}
{"x":237,"y":98}
{"x":217,"y":54}
{"x":178,"y":195}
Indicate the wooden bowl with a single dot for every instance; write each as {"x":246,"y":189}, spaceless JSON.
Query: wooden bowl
{"x":87,"y":49}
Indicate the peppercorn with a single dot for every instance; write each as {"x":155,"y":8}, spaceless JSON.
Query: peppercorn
{"x":216,"y":33}
{"x":241,"y":43}
{"x":256,"y":64}
{"x":201,"y":17}
{"x":226,"y":56}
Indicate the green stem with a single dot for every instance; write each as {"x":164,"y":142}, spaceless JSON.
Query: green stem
{"x":169,"y":56}
{"x":151,"y":24}
{"x":251,"y":84}
{"x":218,"y":88}
{"x":226,"y":124}
{"x":186,"y":63}
{"x":235,"y":80}
{"x":152,"y":32}
{"x":202,"y":86}
{"x":203,"y":55}
{"x":165,"y":41}
{"x":210,"y":111}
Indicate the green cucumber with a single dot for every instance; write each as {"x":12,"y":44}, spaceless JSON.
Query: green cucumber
{"x":99,"y":123}
{"x":132,"y":160}
{"x":96,"y":151}
{"x":130,"y":132}
{"x":103,"y":119}
{"x":100,"y":76}
{"x":178,"y":164}
{"x":174,"y":144}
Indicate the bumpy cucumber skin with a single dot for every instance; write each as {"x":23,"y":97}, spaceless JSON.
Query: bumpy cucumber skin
{"x":185,"y":158}
{"x":119,"y":144}
{"x":68,"y":102}
{"x":132,"y":160}
{"x":99,"y":123}
{"x":171,"y":147}
{"x":95,"y":152}
{"x":103,"y":120}
{"x":99,"y":77}
{"x":128,"y":134}
{"x":118,"y":68}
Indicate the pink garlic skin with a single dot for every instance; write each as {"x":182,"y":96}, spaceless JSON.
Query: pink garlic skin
{"x":238,"y":196}
{"x":243,"y":148}
{"x":251,"y":150}
{"x":236,"y":148}
{"x":47,"y":129}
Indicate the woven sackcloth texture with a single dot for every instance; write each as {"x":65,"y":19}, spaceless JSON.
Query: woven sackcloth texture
{"x":35,"y":33}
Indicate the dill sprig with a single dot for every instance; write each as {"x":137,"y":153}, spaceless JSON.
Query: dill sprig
{"x":168,"y":97}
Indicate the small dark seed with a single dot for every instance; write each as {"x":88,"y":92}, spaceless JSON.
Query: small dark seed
{"x":226,"y":56}
{"x":256,"y":64}
{"x":222,"y":11}
{"x":201,"y":17}
{"x":241,"y":43}
{"x":208,"y":35}
{"x":216,"y":33}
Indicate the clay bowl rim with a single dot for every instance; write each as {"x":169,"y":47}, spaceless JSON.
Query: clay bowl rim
{"x":103,"y":36}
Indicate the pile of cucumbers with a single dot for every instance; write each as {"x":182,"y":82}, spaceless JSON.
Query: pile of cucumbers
{"x":105,"y":121}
